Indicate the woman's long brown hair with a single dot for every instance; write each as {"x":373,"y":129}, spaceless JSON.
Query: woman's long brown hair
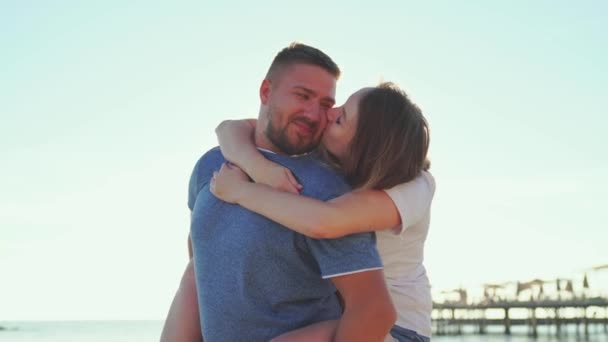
{"x":391,"y":141}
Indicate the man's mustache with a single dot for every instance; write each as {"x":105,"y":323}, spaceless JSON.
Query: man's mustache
{"x":311,"y":124}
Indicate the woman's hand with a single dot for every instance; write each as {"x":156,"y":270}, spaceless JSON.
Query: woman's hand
{"x":228,"y":183}
{"x":277,"y":176}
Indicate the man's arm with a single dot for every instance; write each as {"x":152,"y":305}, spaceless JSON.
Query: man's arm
{"x":369,"y":313}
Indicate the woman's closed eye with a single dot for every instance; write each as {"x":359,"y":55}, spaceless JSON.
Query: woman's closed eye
{"x":339,"y":119}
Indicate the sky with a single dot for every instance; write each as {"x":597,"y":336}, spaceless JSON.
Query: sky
{"x":106,"y":105}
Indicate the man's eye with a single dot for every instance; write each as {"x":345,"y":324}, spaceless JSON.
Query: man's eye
{"x":303,"y":96}
{"x":339,"y":120}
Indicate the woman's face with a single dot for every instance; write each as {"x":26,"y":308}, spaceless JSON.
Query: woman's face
{"x":342,"y":125}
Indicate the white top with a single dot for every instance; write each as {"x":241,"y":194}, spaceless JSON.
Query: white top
{"x":402,"y":252}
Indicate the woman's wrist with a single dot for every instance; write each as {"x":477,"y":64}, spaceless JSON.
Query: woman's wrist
{"x":255,"y":166}
{"x":243,"y":192}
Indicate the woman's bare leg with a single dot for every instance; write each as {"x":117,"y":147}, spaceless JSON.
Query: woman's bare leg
{"x":182,"y":323}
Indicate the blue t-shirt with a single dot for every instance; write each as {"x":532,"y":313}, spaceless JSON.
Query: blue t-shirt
{"x":255,"y":278}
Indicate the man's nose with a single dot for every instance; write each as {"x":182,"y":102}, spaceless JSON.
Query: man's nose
{"x":315,"y":112}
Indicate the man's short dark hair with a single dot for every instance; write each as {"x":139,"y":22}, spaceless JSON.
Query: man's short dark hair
{"x":298,"y":53}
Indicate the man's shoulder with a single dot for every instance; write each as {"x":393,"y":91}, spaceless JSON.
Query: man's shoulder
{"x":210,"y":159}
{"x":323,"y":171}
{"x":212,"y":155}
{"x":322,"y":180}
{"x":209,"y":162}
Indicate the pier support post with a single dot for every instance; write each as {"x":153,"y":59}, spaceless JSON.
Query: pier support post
{"x":533,"y":323}
{"x":482,"y":322}
{"x":557,"y":322}
{"x":452,"y":315}
{"x":586,"y":322}
{"x":507,"y":322}
{"x":458,"y":324}
{"x":606,"y":320}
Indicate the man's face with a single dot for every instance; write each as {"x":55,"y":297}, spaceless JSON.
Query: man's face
{"x":297,"y":101}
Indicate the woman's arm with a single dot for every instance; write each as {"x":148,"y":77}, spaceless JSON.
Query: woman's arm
{"x":357,"y":211}
{"x":318,"y":332}
{"x":236,"y":139}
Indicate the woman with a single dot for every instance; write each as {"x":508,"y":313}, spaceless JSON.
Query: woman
{"x":379,"y":140}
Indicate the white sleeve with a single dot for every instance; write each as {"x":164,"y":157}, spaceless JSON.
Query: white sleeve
{"x":413,"y":199}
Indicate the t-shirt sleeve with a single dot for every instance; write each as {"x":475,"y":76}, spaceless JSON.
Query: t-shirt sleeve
{"x":350,"y":254}
{"x":413,"y":199}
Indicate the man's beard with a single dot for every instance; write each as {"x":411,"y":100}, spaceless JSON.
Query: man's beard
{"x":279,"y":137}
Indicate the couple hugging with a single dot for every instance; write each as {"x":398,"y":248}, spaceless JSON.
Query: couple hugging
{"x":309,"y":223}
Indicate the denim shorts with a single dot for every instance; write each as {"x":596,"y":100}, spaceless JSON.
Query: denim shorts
{"x":406,"y":335}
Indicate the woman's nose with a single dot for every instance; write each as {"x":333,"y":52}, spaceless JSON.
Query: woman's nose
{"x":332,"y":114}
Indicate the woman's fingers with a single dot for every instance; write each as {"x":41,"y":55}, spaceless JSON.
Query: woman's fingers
{"x":289,"y":188}
{"x":293,"y":181}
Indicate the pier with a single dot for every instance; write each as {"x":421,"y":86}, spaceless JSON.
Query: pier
{"x":555,"y":306}
{"x":450,"y":318}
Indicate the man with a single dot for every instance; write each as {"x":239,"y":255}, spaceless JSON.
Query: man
{"x":256,"y":279}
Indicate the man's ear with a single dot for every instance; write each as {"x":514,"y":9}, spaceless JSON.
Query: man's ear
{"x":265,"y":89}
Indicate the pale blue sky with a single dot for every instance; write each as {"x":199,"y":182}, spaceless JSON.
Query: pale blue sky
{"x":106,"y":106}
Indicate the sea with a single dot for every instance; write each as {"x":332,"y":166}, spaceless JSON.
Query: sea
{"x":147,"y":331}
